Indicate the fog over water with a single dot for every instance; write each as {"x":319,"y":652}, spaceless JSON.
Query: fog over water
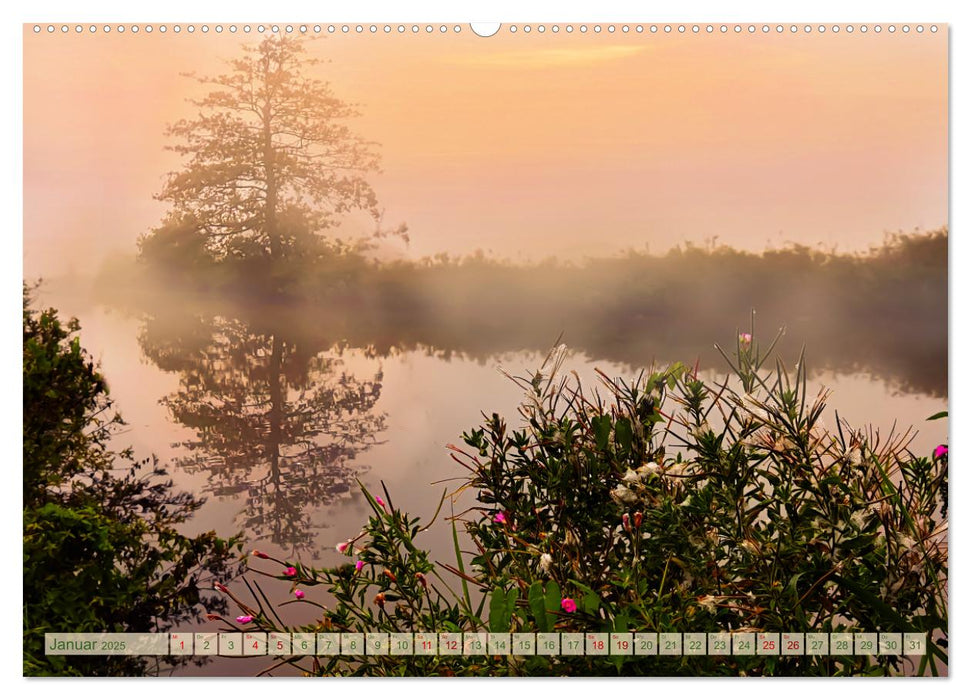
{"x":273,"y":414}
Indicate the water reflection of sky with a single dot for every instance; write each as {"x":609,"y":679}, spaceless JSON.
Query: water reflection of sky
{"x":429,"y":402}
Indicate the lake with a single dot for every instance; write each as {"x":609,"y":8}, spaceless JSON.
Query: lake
{"x":273,"y":421}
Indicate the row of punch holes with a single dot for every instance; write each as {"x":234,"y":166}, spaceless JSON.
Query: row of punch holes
{"x":513,"y":28}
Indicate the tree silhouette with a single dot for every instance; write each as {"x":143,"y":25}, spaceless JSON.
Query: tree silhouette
{"x":269,"y":156}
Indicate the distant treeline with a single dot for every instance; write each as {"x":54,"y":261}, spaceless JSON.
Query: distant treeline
{"x":884,"y":312}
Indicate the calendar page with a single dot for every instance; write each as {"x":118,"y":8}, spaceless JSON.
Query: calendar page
{"x":613,"y":349}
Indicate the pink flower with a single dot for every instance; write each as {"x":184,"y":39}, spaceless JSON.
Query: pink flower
{"x":940,"y":451}
{"x":261,"y":555}
{"x":298,"y":594}
{"x":500,"y":518}
{"x":244,"y":619}
{"x":569,"y":605}
{"x":290,"y":571}
{"x":358,"y":565}
{"x":380,"y":502}
{"x":745,"y":338}
{"x":626,"y":520}
{"x":342,"y":547}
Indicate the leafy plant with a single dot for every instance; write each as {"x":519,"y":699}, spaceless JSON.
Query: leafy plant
{"x":663,"y":504}
{"x":103,"y":550}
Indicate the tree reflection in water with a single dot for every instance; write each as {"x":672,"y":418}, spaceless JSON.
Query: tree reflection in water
{"x":277,"y":414}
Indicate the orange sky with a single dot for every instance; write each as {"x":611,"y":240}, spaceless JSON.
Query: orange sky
{"x":528,"y":145}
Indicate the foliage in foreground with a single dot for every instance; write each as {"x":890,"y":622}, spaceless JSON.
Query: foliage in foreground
{"x":670,"y":505}
{"x":102,"y":546}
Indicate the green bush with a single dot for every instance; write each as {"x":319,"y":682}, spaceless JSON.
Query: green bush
{"x":664,"y":504}
{"x":103,"y":551}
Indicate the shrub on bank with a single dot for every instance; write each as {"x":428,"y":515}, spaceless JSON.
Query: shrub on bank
{"x":103,"y":549}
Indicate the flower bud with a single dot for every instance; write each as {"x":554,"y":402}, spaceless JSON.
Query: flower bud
{"x":379,"y":599}
{"x":261,"y":555}
{"x":387,"y":572}
{"x":638,"y":519}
